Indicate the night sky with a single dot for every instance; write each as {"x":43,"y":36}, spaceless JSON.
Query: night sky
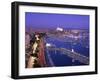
{"x":49,"y":20}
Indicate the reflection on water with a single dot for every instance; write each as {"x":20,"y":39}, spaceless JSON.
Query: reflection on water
{"x":57,"y":48}
{"x":57,"y":58}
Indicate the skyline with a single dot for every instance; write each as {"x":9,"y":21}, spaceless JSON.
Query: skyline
{"x":52,"y":21}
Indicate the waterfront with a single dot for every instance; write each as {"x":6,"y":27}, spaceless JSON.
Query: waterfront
{"x":76,"y":48}
{"x":60,"y":59}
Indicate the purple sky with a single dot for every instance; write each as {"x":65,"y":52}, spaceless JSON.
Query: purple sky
{"x":48,"y":20}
